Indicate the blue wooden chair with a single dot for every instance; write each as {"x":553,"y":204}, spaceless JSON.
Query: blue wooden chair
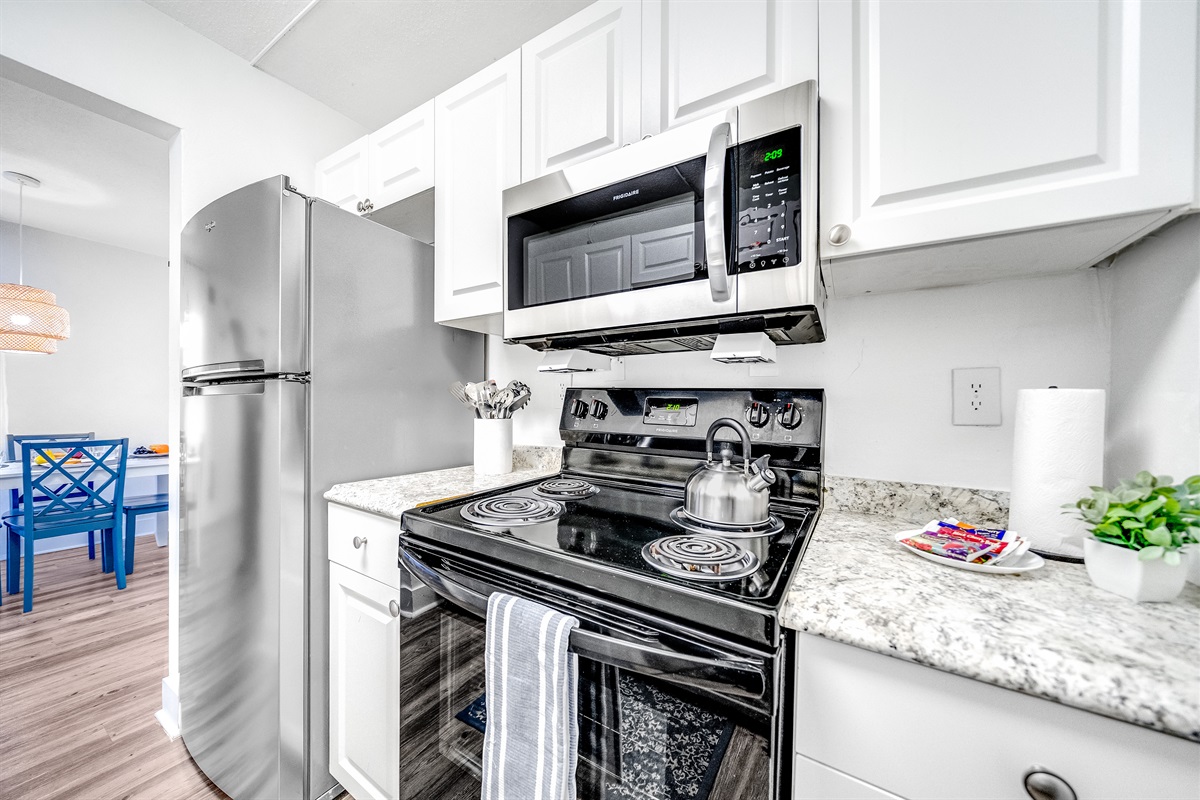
{"x":62,"y":501}
{"x":13,"y":451}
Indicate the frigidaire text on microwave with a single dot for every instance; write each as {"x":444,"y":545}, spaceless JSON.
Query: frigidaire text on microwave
{"x":659,"y":246}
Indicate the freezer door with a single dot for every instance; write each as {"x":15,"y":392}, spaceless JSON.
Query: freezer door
{"x":243,"y":287}
{"x":243,"y":586}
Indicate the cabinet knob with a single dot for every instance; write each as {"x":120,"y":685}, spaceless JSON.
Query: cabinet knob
{"x":1042,"y":784}
{"x":359,"y":541}
{"x":367,"y":206}
{"x":358,"y":206}
{"x":839,"y":235}
{"x":394,"y":608}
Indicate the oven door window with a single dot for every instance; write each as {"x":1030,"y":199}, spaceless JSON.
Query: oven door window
{"x":638,"y":738}
{"x":643,"y":232}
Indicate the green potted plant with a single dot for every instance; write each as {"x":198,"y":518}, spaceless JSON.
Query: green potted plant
{"x":1141,"y":531}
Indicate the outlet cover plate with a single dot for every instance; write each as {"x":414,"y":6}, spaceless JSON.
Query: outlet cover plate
{"x":976,"y":396}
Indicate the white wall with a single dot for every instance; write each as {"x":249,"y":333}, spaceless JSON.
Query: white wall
{"x":1153,"y":294}
{"x":111,"y":375}
{"x":237,"y":125}
{"x":886,"y":372}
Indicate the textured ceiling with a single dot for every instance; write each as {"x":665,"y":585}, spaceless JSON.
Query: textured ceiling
{"x":372,"y":60}
{"x":244,"y":27}
{"x":101,"y":180}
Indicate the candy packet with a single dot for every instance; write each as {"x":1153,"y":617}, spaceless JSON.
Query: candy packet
{"x":948,"y":545}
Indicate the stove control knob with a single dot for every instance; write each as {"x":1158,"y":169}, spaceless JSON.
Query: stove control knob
{"x":579,"y":409}
{"x":599,"y":409}
{"x":758,"y":414}
{"x":790,"y":417}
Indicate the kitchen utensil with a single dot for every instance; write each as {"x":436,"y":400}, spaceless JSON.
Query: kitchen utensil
{"x":723,"y":494}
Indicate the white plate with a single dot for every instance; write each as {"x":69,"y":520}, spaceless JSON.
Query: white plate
{"x":1026,"y":562}
{"x":147,"y":455}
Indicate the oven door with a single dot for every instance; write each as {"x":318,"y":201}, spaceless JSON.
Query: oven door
{"x":663,"y":713}
{"x":631,"y":238}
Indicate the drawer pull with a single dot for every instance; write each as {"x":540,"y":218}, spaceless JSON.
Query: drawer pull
{"x":394,"y":608}
{"x":1042,"y":784}
{"x":360,"y":542}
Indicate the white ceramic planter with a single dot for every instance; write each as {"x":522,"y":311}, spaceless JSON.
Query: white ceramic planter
{"x":1192,"y":554}
{"x":493,"y":446}
{"x":1118,"y":570}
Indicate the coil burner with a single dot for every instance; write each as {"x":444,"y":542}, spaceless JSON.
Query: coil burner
{"x":565,"y":489}
{"x":511,"y":511}
{"x":700,"y":558}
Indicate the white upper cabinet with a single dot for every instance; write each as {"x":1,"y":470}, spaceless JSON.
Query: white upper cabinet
{"x":477,"y":156}
{"x":947,"y":120}
{"x":581,"y":87}
{"x":374,"y":171}
{"x":400,"y":158}
{"x":341,"y":178}
{"x":700,"y":56}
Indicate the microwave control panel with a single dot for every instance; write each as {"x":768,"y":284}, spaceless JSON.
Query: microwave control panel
{"x":768,"y":202}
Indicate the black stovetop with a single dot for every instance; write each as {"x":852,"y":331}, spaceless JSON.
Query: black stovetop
{"x":596,"y":545}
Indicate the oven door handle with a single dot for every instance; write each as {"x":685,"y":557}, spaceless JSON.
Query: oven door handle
{"x":714,"y":211}
{"x":731,"y":675}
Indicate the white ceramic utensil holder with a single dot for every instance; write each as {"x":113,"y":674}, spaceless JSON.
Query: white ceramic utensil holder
{"x":493,"y":446}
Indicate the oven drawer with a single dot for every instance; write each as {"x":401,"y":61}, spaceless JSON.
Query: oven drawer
{"x":366,"y":543}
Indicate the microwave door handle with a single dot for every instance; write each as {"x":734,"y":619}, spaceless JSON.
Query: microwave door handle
{"x":730,"y":675}
{"x":714,"y":212}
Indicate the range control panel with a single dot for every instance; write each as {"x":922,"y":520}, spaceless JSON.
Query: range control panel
{"x":774,"y":416}
{"x":768,"y":202}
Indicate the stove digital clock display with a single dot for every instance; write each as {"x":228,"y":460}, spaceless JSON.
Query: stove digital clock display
{"x":670,"y":411}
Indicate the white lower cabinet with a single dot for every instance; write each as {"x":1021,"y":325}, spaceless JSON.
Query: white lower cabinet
{"x":872,"y":726}
{"x":364,"y":667}
{"x":815,"y":781}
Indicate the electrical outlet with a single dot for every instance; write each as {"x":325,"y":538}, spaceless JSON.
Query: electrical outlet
{"x":976,"y":396}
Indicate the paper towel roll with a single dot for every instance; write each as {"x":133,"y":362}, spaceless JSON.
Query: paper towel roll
{"x":1058,"y":452}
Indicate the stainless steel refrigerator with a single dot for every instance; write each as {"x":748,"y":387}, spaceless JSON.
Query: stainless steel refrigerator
{"x":310,"y":358}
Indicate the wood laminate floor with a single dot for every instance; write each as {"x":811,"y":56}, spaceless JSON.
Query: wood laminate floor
{"x":80,"y":681}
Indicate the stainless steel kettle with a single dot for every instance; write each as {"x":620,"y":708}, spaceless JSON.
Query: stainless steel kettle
{"x":723,"y":494}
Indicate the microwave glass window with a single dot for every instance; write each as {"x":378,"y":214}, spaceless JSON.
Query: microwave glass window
{"x":644,"y":232}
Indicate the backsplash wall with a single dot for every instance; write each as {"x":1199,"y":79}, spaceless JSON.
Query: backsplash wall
{"x":886,"y":372}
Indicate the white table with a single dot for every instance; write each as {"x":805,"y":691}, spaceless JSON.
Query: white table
{"x":10,"y":478}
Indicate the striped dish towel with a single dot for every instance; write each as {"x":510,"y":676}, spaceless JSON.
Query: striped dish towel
{"x":532,"y":736}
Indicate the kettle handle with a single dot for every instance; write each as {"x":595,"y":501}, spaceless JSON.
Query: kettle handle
{"x":711,"y":439}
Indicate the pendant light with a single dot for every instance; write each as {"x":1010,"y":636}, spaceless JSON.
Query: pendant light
{"x":30,"y":321}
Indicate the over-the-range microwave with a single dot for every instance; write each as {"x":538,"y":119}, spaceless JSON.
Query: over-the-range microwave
{"x":662,"y":245}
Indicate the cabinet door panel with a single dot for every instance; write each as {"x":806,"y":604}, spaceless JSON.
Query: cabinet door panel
{"x":604,"y":268}
{"x":700,"y":56}
{"x":853,"y":706}
{"x":341,"y":178}
{"x":401,"y":157}
{"x":580,"y":91}
{"x":477,"y":156}
{"x":943,"y":120}
{"x":364,"y":685}
{"x":664,"y":256}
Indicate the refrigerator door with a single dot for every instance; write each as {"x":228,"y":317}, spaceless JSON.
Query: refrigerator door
{"x":242,"y":585}
{"x":378,"y":404}
{"x":243,"y":290}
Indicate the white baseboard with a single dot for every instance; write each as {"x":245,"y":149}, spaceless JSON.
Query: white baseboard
{"x":168,"y":715}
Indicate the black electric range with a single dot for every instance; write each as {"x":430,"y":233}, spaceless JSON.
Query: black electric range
{"x":595,"y":526}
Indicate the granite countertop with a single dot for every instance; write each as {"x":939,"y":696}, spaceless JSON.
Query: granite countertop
{"x":391,"y":497}
{"x":1048,"y":633}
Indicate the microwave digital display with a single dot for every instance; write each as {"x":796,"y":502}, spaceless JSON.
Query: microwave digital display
{"x":768,"y":202}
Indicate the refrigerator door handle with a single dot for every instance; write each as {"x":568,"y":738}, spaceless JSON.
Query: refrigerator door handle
{"x":223,"y":370}
{"x":248,"y":387}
